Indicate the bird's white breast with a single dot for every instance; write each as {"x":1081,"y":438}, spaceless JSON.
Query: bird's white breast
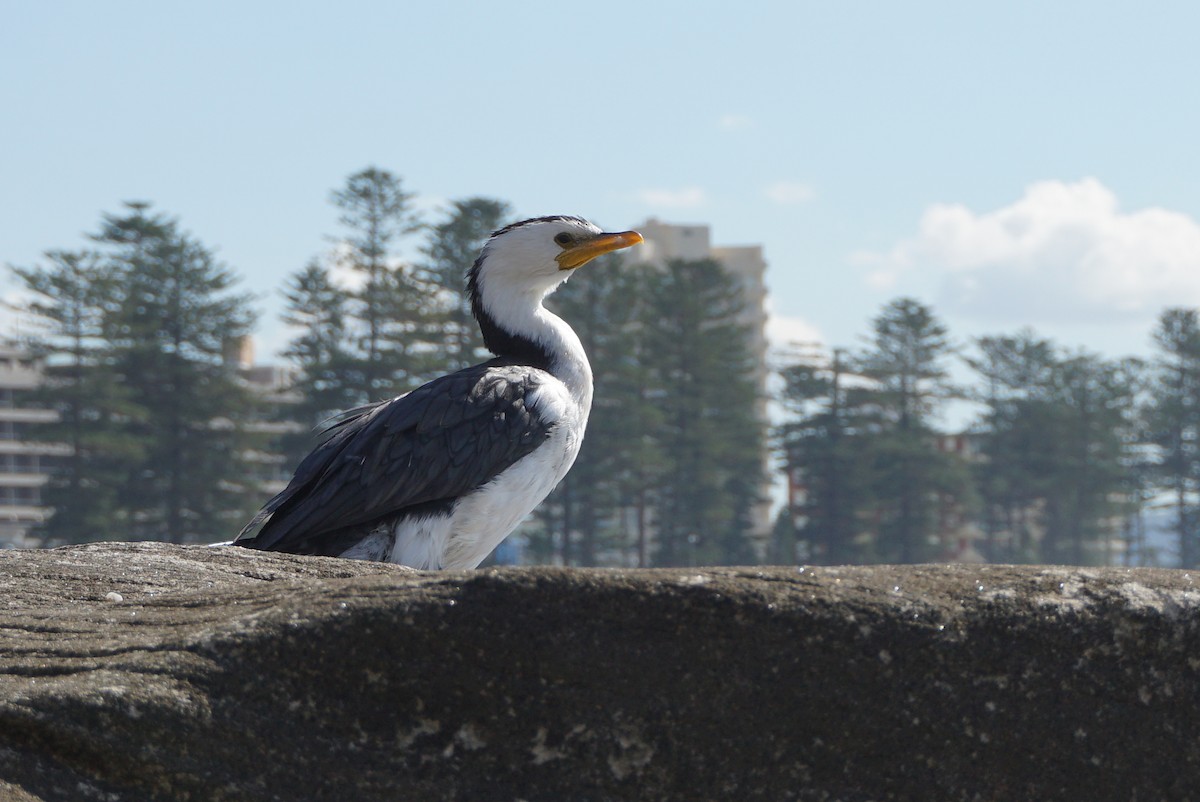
{"x":483,"y":518}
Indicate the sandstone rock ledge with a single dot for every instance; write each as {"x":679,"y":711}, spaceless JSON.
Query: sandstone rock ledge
{"x":156,"y":672}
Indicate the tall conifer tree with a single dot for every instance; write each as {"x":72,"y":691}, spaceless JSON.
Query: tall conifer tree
{"x":1017,"y":434}
{"x":178,"y":319}
{"x":711,"y":438}
{"x":826,"y":443}
{"x":387,"y":302}
{"x":1173,"y":422}
{"x":1057,"y":441}
{"x":907,"y":360}
{"x":451,"y":249}
{"x":602,"y":505}
{"x":74,"y":296}
{"x":319,"y":351}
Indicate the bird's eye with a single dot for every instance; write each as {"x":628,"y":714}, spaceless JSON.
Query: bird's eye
{"x":564,"y":239}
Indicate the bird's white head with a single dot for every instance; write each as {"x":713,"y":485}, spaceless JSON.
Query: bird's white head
{"x":535,"y":256}
{"x":518,"y":267}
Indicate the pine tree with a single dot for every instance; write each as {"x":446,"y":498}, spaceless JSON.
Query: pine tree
{"x":601,"y":506}
{"x":827,"y":443}
{"x":907,"y":361}
{"x":316,"y":307}
{"x":452,"y":248}
{"x":711,"y":438}
{"x":630,"y":415}
{"x":1094,"y":482}
{"x":73,"y":297}
{"x":1173,"y":420}
{"x":1057,"y":443}
{"x":671,"y":465}
{"x":1017,"y":430}
{"x":387,"y":301}
{"x":170,"y":337}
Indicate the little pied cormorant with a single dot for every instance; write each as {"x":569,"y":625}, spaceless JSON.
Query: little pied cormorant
{"x":437,"y":477}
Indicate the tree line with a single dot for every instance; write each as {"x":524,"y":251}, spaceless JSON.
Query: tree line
{"x":136,"y":332}
{"x":1068,"y":454}
{"x":167,"y":440}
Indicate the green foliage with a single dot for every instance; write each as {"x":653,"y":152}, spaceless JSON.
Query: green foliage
{"x":671,"y":465}
{"x":159,"y":426}
{"x":601,"y":511}
{"x":156,"y":425}
{"x":907,"y":362}
{"x":169,"y":339}
{"x":1017,"y":427}
{"x":826,"y":442}
{"x":1096,"y":426}
{"x":1172,"y":421}
{"x":453,"y":245}
{"x":74,"y":298}
{"x":387,"y":304}
{"x":860,"y":443}
{"x":371,"y":334}
{"x":710,"y":436}
{"x":1050,"y":470}
{"x":907,"y":359}
{"x":151,"y":411}
{"x":1056,"y":446}
{"x":317,"y":309}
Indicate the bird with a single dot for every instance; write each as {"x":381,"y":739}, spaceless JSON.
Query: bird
{"x":436,"y":478}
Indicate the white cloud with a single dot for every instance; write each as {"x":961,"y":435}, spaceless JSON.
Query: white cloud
{"x":883,"y":279}
{"x":786,"y":333}
{"x":789,"y":192}
{"x":683,"y":198}
{"x":1063,"y":252}
{"x":734,"y":122}
{"x":784,"y":330}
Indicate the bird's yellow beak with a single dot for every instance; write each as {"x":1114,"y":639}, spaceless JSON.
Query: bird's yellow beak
{"x":581,"y":253}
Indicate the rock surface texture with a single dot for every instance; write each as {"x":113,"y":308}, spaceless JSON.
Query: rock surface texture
{"x":156,"y":672}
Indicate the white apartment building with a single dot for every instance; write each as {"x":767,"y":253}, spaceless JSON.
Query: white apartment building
{"x":25,"y":461}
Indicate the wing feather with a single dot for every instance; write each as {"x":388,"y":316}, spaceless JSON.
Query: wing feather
{"x":434,"y":444}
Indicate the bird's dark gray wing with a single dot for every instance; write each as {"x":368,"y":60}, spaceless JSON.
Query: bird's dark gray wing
{"x":425,"y":448}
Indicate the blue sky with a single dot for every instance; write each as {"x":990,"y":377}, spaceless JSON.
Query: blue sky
{"x":1009,"y":163}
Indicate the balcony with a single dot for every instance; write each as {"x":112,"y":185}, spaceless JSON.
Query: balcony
{"x":24,"y":513}
{"x":16,"y":375}
{"x":32,"y":447}
{"x":23,"y":415}
{"x":22,"y":479}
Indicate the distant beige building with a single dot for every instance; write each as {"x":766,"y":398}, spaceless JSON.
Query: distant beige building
{"x":746,"y":264}
{"x":25,"y":462}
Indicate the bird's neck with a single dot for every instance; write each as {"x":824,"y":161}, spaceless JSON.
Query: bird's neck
{"x":517,"y":326}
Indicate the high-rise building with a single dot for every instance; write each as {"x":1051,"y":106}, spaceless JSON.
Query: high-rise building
{"x":25,"y":459}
